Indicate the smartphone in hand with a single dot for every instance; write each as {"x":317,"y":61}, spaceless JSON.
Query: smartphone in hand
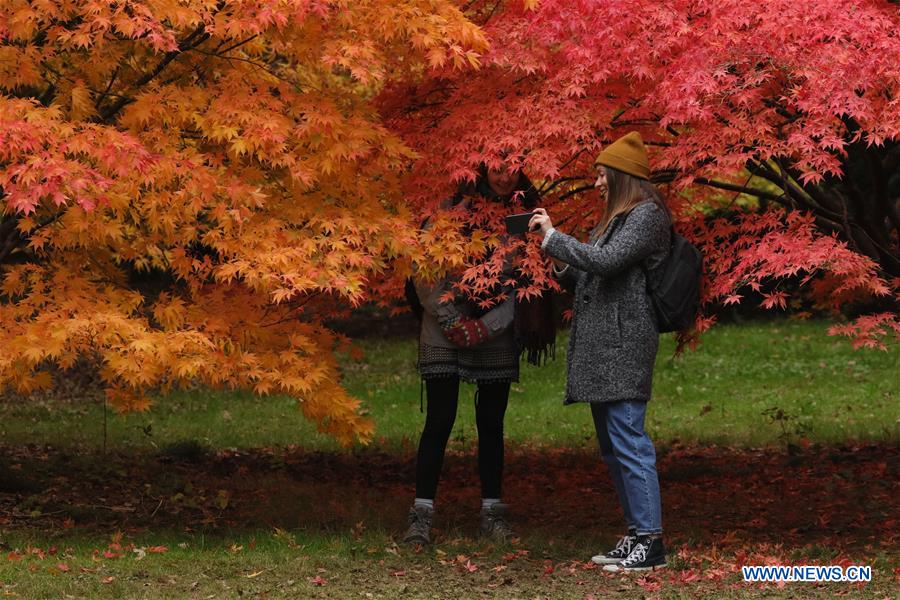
{"x":518,"y":223}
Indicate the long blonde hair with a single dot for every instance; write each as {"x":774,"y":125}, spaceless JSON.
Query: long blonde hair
{"x":624,"y":192}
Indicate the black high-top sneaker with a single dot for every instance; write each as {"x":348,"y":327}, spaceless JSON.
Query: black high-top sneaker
{"x":617,"y":554}
{"x":646,"y":554}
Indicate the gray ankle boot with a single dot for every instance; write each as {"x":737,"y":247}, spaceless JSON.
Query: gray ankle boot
{"x":419,"y":531}
{"x":494,"y":524}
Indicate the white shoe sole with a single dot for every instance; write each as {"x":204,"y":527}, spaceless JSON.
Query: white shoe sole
{"x":602,"y":560}
{"x":617,"y":569}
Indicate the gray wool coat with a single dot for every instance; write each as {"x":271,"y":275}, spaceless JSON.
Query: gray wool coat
{"x":614,"y":336}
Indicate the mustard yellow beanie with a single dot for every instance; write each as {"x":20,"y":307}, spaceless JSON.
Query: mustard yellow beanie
{"x":626,"y":154}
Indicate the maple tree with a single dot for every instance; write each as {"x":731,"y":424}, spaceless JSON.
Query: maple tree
{"x":794,"y":104}
{"x":190,"y":186}
{"x":191,"y":189}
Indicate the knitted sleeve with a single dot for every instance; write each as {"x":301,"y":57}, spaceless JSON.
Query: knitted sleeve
{"x":567,"y":277}
{"x":499,"y":318}
{"x":430,"y":294}
{"x":645,"y":231}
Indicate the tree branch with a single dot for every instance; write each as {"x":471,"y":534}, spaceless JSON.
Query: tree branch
{"x":238,"y":44}
{"x":105,"y":93}
{"x":197,"y":37}
{"x":578,"y":190}
{"x":258,"y":65}
{"x":562,"y":168}
{"x":558,"y":182}
{"x":800,"y":195}
{"x":732,"y":187}
{"x":11,"y":241}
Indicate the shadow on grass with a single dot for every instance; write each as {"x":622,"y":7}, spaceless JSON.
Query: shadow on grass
{"x":839,"y":496}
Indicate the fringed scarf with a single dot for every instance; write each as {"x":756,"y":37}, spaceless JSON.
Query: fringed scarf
{"x":535,"y":328}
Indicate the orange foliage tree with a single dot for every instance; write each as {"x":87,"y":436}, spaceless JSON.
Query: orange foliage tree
{"x":189,"y":186}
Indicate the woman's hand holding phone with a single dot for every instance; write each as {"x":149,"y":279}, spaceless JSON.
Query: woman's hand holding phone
{"x":540,"y":221}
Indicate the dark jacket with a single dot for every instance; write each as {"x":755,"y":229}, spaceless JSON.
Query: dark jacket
{"x":614,"y":336}
{"x":499,"y":319}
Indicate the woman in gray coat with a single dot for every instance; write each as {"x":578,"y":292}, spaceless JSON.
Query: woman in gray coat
{"x":614,"y":337}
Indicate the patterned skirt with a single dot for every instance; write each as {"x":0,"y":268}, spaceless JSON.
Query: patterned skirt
{"x":474,"y":365}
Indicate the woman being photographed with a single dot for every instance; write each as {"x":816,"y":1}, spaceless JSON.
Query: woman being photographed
{"x":460,"y":342}
{"x":614,"y":337}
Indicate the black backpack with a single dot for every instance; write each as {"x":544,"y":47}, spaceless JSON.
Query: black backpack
{"x":675,"y":291}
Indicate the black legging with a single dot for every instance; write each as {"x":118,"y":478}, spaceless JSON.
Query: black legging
{"x":490,"y":408}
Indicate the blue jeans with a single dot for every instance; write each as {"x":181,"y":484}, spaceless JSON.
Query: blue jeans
{"x":628,"y":452}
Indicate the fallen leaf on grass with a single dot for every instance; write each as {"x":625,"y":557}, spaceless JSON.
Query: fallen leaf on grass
{"x":470,"y":566}
{"x":649,"y":584}
{"x":63,"y":567}
{"x":108,"y":580}
{"x":688,"y":576}
{"x":157,"y":549}
{"x":318,"y":580}
{"x":398,"y":573}
{"x":257,"y":574}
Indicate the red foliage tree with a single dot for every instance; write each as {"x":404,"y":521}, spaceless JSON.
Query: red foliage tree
{"x":189,"y":187}
{"x":794,"y":104}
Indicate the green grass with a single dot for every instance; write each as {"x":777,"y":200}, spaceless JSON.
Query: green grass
{"x":720,"y":393}
{"x":250,"y":501}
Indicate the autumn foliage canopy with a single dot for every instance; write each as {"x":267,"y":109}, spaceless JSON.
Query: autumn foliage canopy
{"x":191,"y":188}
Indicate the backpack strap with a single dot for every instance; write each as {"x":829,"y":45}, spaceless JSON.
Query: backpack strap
{"x":646,"y":270}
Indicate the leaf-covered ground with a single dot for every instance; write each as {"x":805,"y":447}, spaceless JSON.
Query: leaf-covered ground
{"x":228,"y":495}
{"x":291,"y":523}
